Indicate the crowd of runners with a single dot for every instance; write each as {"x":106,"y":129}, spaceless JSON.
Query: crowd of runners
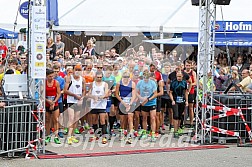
{"x":106,"y":93}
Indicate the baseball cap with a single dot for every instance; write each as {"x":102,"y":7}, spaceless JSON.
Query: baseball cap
{"x":141,"y":63}
{"x":136,"y":72}
{"x":78,"y":67}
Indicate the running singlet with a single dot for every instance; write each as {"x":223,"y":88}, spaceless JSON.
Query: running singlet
{"x":89,"y":77}
{"x":111,"y":81}
{"x":126,"y":92}
{"x":165,"y":95}
{"x":98,"y":91}
{"x":192,"y":78}
{"x":76,"y":88}
{"x":178,"y":90}
{"x":51,"y":92}
{"x":146,"y":90}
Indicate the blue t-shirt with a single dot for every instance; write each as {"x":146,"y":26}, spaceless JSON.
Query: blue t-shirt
{"x":146,"y":90}
{"x":62,"y":84}
{"x":111,"y":81}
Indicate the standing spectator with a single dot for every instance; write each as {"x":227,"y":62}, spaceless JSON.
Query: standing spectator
{"x":89,"y":48}
{"x":51,"y":48}
{"x":60,"y":46}
{"x":3,"y":49}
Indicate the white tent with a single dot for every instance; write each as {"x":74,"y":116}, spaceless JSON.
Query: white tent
{"x":127,"y":15}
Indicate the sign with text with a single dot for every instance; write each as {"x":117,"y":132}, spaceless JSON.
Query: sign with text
{"x":38,"y":42}
{"x":233,"y":26}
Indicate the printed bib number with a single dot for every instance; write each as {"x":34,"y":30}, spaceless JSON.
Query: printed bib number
{"x":180,"y":99}
{"x":50,"y":97}
{"x":126,"y":100}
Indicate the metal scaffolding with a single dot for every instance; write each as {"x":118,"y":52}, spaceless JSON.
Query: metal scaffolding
{"x":206,"y":45}
{"x":37,"y":86}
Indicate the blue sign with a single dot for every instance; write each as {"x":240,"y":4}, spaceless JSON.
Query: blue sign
{"x":233,"y":26}
{"x":24,"y":9}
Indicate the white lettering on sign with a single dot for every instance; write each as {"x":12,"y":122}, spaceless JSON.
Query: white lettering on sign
{"x":24,"y":11}
{"x":230,"y":26}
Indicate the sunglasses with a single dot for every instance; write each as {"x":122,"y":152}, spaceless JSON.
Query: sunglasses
{"x":99,"y":77}
{"x":99,"y":67}
{"x":77,"y":69}
{"x":126,"y":76}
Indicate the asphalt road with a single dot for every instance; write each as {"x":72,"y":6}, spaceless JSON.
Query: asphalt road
{"x":232,"y":156}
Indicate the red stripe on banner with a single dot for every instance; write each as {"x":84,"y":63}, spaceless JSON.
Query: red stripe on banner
{"x":131,"y":152}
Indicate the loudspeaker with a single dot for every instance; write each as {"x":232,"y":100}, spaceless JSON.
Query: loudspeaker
{"x":221,"y":2}
{"x":196,"y":2}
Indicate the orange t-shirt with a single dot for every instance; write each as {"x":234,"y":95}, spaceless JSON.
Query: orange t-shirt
{"x":89,"y":78}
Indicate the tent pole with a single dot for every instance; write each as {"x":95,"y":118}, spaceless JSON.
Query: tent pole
{"x":161,"y":30}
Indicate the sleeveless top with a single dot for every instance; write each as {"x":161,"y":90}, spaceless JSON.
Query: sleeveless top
{"x":126,"y":92}
{"x":165,"y":78}
{"x":76,"y":88}
{"x":51,"y":93}
{"x":89,"y":77}
{"x":192,"y":78}
{"x":98,"y":91}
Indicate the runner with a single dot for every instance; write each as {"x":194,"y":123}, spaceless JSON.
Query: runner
{"x":56,"y":70}
{"x":111,"y":81}
{"x":179,"y":97}
{"x":125,"y":93}
{"x":147,"y":93}
{"x":165,"y":99}
{"x":98,"y":95}
{"x":187,"y":78}
{"x":191,"y":96}
{"x":52,"y":108}
{"x":75,"y":90}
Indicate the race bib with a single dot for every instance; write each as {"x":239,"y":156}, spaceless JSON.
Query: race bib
{"x":179,"y":99}
{"x":50,"y":97}
{"x":126,"y":100}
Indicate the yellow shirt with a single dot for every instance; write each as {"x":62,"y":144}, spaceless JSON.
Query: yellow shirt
{"x":244,"y":83}
{"x":1,"y":75}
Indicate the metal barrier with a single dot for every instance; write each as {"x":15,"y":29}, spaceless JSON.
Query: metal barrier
{"x":19,"y":128}
{"x":229,"y":114}
{"x":245,"y":123}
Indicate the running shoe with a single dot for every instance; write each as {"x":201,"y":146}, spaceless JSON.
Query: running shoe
{"x":56,"y":140}
{"x":86,"y":126}
{"x":172,"y":130}
{"x":65,"y":131}
{"x":136,"y":134}
{"x":163,"y":127}
{"x":74,"y":139}
{"x":140,"y":132}
{"x":82,"y":129}
{"x":156,"y":135}
{"x":61,"y":135}
{"x":120,"y":130}
{"x":48,"y":139}
{"x":180,"y":131}
{"x":176,"y":135}
{"x":104,"y":140}
{"x":76,"y":131}
{"x":153,"y":139}
{"x":143,"y":136}
{"x":161,"y":132}
{"x":69,"y":140}
{"x":112,"y":133}
{"x":191,"y":127}
{"x":91,"y":139}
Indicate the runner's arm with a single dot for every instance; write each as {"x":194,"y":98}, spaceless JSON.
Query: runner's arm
{"x":58,"y":92}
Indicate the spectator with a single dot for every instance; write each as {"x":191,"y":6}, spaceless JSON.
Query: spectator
{"x":51,"y":48}
{"x":60,"y":46}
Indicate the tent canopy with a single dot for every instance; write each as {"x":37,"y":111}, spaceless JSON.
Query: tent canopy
{"x":5,"y":34}
{"x":176,"y":16}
